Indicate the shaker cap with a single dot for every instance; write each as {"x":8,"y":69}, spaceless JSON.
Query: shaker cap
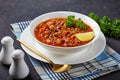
{"x":6,"y":40}
{"x":18,"y":53}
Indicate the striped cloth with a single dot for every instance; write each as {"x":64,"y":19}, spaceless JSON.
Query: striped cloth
{"x":108,"y":61}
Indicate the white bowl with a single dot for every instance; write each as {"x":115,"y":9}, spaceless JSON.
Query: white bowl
{"x":55,"y":49}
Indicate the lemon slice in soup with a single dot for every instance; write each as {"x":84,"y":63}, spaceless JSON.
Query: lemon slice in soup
{"x":85,"y":36}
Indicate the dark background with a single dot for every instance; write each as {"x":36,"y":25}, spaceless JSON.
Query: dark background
{"x":12,"y":11}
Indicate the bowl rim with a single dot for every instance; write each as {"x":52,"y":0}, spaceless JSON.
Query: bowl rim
{"x":59,"y":47}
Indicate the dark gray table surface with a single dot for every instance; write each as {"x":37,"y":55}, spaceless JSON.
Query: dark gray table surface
{"x":12,"y":11}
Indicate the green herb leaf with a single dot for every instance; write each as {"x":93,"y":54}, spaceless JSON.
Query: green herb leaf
{"x":80,"y":24}
{"x":95,"y":17}
{"x":70,"y":21}
{"x":108,"y":27}
{"x":105,"y":24}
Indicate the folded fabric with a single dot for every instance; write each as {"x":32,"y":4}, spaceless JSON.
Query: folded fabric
{"x":108,"y":61}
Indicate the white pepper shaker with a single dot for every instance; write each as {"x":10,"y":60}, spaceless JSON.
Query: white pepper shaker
{"x":6,"y":51}
{"x":18,"y":68}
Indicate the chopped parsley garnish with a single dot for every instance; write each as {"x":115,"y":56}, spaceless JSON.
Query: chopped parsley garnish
{"x":71,"y":21}
{"x":80,"y":24}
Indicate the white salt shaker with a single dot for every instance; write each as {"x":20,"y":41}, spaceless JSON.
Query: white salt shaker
{"x":18,"y":68}
{"x":6,"y":51}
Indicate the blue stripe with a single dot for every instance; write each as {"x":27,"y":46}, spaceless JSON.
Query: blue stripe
{"x":26,"y":24}
{"x":49,"y":71}
{"x":21,"y":24}
{"x":87,"y":76}
{"x":68,"y":75}
{"x":91,"y":76}
{"x":102,"y":56}
{"x":58,"y":75}
{"x":62,"y":75}
{"x":55,"y":74}
{"x":116,"y":57}
{"x":45,"y":70}
{"x":97,"y":75}
{"x":19,"y":27}
{"x":84,"y":77}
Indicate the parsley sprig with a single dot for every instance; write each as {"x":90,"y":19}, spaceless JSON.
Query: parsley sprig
{"x":70,"y":22}
{"x":109,"y":27}
{"x":80,"y":24}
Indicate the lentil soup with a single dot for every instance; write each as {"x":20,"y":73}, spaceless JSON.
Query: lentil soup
{"x":55,"y":32}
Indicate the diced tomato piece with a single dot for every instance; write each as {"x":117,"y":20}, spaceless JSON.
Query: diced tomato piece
{"x":73,"y":36}
{"x":42,"y":29}
{"x":64,"y":32}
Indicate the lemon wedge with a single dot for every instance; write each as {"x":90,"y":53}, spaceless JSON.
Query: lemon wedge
{"x":85,"y":36}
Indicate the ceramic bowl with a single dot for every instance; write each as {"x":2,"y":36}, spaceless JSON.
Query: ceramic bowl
{"x":64,"y":50}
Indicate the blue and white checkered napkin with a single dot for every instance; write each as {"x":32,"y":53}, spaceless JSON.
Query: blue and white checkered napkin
{"x":108,"y":61}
